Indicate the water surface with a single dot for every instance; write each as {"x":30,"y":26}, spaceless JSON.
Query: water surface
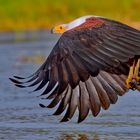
{"x":21,"y":118}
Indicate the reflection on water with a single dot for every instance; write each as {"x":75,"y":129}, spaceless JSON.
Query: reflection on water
{"x":38,"y":58}
{"x":22,"y":118}
{"x":78,"y":137}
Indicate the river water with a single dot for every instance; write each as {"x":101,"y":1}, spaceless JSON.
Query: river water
{"x":21,"y":118}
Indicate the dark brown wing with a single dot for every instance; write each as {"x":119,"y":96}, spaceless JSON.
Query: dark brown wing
{"x":87,"y":68}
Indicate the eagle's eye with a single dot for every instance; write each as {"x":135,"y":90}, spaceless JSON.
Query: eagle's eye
{"x":61,"y":27}
{"x":58,"y":29}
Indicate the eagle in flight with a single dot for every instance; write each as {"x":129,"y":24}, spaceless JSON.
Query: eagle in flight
{"x":94,"y":61}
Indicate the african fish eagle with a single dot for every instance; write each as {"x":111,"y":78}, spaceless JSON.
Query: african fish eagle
{"x":94,"y":61}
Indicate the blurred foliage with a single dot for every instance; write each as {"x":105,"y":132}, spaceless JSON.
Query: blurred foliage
{"x":34,"y":14}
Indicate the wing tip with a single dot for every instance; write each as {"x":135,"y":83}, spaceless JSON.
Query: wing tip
{"x":20,"y":86}
{"x":42,"y":105}
{"x":15,"y":81}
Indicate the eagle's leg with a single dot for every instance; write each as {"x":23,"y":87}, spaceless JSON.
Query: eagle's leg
{"x":129,"y":81}
{"x":133,"y":80}
{"x":136,"y":72}
{"x":137,"y":75}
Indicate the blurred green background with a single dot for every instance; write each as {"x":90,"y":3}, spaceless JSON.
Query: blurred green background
{"x":40,"y":14}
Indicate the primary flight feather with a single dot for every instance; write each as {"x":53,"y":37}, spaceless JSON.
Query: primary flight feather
{"x":95,"y":60}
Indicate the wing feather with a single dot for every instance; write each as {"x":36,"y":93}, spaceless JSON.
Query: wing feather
{"x":73,"y":76}
{"x":116,"y":86}
{"x":57,"y":98}
{"x":104,"y":99}
{"x":95,"y":103}
{"x":43,"y":83}
{"x":72,"y":105}
{"x":84,"y":104}
{"x":64,"y":102}
{"x":109,"y":90}
{"x":53,"y":78}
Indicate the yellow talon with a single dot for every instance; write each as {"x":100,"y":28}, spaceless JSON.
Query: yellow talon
{"x":133,"y":80}
{"x":136,"y":72}
{"x":130,"y":76}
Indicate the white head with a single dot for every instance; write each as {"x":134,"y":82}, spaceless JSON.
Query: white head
{"x":65,"y":27}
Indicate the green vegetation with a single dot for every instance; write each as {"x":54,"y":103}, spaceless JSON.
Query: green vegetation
{"x":34,"y":14}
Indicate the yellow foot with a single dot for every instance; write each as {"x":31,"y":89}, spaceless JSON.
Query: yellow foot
{"x":130,"y":76}
{"x":133,"y":79}
{"x":136,"y":72}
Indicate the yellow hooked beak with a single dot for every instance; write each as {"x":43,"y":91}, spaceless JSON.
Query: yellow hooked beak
{"x":58,"y":29}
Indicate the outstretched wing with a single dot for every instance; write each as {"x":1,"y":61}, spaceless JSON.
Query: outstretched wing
{"x":88,"y":67}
